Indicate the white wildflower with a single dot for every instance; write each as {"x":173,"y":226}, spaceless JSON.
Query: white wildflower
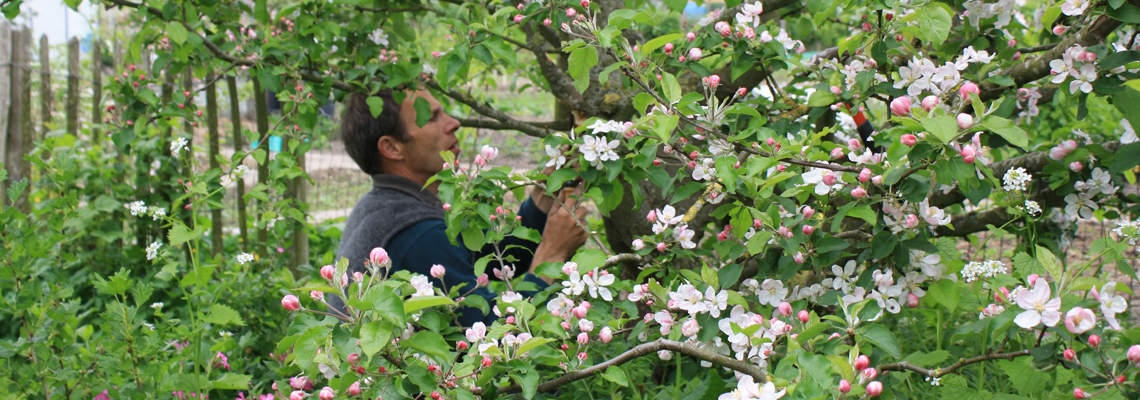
{"x":1015,"y":179}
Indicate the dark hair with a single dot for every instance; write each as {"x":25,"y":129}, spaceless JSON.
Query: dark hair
{"x":360,"y":131}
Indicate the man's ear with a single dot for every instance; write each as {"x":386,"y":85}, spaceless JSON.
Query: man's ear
{"x":390,"y":148}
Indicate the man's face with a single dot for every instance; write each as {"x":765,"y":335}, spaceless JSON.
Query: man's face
{"x":421,"y":152}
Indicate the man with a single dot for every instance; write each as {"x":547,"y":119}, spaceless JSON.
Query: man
{"x":407,"y":219}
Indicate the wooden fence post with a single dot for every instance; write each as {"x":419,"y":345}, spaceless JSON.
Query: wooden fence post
{"x":19,"y":138}
{"x":300,"y":233}
{"x":262,"y":167}
{"x":144,"y":61}
{"x":96,"y":89}
{"x":215,"y":148}
{"x":73,"y":87}
{"x":45,"y":83}
{"x":6,"y":71}
{"x":239,"y":145}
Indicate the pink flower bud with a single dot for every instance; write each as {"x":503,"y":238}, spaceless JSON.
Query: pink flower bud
{"x":446,"y":206}
{"x":844,"y":386}
{"x":570,"y":12}
{"x":785,"y":309}
{"x":828,"y":178}
{"x":858,"y":193}
{"x":291,"y":302}
{"x":968,"y":154}
{"x":606,"y":334}
{"x":565,"y":27}
{"x":1094,"y":340}
{"x":661,"y":247}
{"x":798,"y":257}
{"x":862,"y":362}
{"x":565,"y":325}
{"x":435,"y":396}
{"x":911,"y":221}
{"x":668,"y":48}
{"x":865,"y":175}
{"x":378,"y":256}
{"x":1016,"y":56}
{"x":511,"y":320}
{"x":900,"y":106}
{"x":652,"y":216}
{"x":638,"y":244}
{"x":808,"y":229}
{"x":438,"y":271}
{"x":690,"y":36}
{"x":482,"y":281}
{"x":354,"y":389}
{"x":462,"y":345}
{"x":316,"y":295}
{"x":1069,"y":145}
{"x":695,"y":54}
{"x":870,"y":373}
{"x":1032,"y":279}
{"x":353,"y":358}
{"x":1011,"y":43}
{"x":1070,"y":355}
{"x":929,"y":102}
{"x":1076,"y":166}
{"x":297,"y":395}
{"x":722,"y":236}
{"x":965,"y":121}
{"x":874,"y":389}
{"x":358,"y":276}
{"x":486,"y":362}
{"x":582,"y":356}
{"x":1134,"y":353}
{"x":967,"y":88}
{"x":328,"y":272}
{"x":1057,"y":153}
{"x":714,"y":81}
{"x":854,"y":144}
{"x":909,"y":139}
{"x":583,"y":338}
{"x":1080,"y":394}
{"x":327,"y":393}
{"x":837,"y":153}
{"x":835,"y":90}
{"x":1060,"y":29}
{"x":911,"y":300}
{"x":580,"y":311}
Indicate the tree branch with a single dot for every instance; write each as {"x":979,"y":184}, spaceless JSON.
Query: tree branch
{"x":506,"y":120}
{"x":685,"y":348}
{"x":1036,"y":68}
{"x":962,"y":362}
{"x":496,"y":125}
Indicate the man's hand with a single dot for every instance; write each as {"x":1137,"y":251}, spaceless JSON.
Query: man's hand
{"x":539,"y":196}
{"x":562,"y":235}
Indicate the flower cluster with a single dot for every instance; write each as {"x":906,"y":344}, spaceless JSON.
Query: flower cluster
{"x":1015,"y":179}
{"x":1077,"y":63}
{"x":982,"y":270}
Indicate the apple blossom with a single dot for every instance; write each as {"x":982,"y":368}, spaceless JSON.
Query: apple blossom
{"x":1069,"y":354}
{"x":571,"y":12}
{"x":844,"y":386}
{"x":327,"y":393}
{"x":968,"y":154}
{"x":1134,"y":353}
{"x":437,"y":271}
{"x":1080,"y":394}
{"x":865,"y":175}
{"x":965,"y":121}
{"x":328,"y":272}
{"x":858,"y":192}
{"x":378,"y":256}
{"x":785,"y":309}
{"x":837,"y":153}
{"x":695,"y":54}
{"x":690,"y":36}
{"x":297,"y":395}
{"x":1079,"y":320}
{"x":1038,"y":306}
{"x":606,"y":334}
{"x":1094,"y":340}
{"x":929,"y":102}
{"x":862,"y":362}
{"x":909,"y":139}
{"x":967,"y":88}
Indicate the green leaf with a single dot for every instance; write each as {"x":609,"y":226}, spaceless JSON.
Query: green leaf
{"x":418,"y":303}
{"x":882,"y":338}
{"x":588,"y":259}
{"x":935,"y":23}
{"x":820,"y":98}
{"x":659,"y":41}
{"x":1025,"y":379}
{"x":1127,"y":157}
{"x":1126,"y":12}
{"x":616,"y":375}
{"x":429,"y":343}
{"x":198,"y":276}
{"x":671,"y":88}
{"x":118,"y":284}
{"x":943,"y":127}
{"x":374,"y":336}
{"x":581,"y":60}
{"x":233,"y":382}
{"x":1008,"y":130}
{"x":387,"y":304}
{"x":1025,"y":265}
{"x":179,"y":234}
{"x":529,"y":382}
{"x":1128,"y":102}
{"x":1049,"y":262}
{"x":531,"y":343}
{"x":261,"y":12}
{"x":375,"y":105}
{"x":222,"y":314}
{"x":944,"y":292}
{"x":1051,"y":15}
{"x":928,"y":360}
{"x":864,"y":213}
{"x":811,"y":332}
{"x":472,"y":238}
{"x":176,"y":31}
{"x":883,"y":244}
{"x":423,"y":111}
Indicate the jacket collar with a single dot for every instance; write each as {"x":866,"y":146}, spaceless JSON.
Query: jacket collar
{"x":405,"y":185}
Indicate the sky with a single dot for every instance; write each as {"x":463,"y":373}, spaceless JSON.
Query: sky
{"x":56,"y":20}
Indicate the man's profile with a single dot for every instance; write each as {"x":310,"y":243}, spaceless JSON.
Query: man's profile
{"x":407,"y":219}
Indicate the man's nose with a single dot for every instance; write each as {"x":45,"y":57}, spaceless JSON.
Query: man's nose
{"x":452,"y":124}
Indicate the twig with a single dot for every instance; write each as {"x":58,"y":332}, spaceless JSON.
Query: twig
{"x":938,"y":372}
{"x":685,"y":348}
{"x":1037,"y":49}
{"x":506,"y":120}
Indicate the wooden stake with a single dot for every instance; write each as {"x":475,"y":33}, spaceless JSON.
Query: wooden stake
{"x":262,"y":167}
{"x":73,"y":87}
{"x":215,"y":148}
{"x":96,"y":89}
{"x":45,"y":83}
{"x":6,"y":71}
{"x":239,"y":145}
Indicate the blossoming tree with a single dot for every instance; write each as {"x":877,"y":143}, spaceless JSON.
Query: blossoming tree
{"x":774,"y":223}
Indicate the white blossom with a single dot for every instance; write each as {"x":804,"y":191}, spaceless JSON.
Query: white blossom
{"x":244,"y":258}
{"x":1015,"y":179}
{"x":987,"y":269}
{"x":379,"y":37}
{"x":152,"y":250}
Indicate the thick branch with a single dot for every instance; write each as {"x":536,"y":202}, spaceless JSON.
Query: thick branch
{"x":624,"y":258}
{"x":1036,"y":68}
{"x":937,"y":372}
{"x":506,"y":120}
{"x":685,"y":348}
{"x":496,"y":125}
